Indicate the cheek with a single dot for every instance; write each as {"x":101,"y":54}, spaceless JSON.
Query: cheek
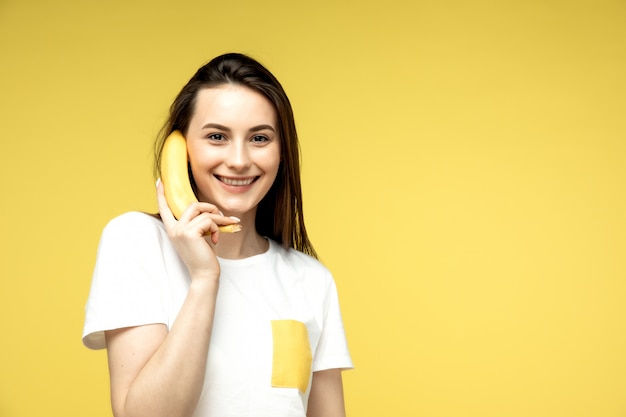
{"x":275,"y":168}
{"x":199,"y":159}
{"x":197,"y":167}
{"x":275,"y":160}
{"x":192,"y":166}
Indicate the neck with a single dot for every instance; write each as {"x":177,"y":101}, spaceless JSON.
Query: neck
{"x":242,"y":244}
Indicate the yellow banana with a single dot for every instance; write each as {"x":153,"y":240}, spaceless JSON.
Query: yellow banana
{"x":175,"y":178}
{"x":174,"y":175}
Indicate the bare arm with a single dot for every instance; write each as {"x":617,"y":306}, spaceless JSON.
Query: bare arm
{"x":326,"y":396}
{"x":158,"y":373}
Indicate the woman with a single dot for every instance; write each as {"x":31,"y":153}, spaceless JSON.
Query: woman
{"x":244,"y":324}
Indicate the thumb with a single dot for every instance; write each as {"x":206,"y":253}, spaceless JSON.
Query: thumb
{"x":166,"y":214}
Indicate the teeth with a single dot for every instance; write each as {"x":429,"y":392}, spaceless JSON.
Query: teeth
{"x":237,"y":182}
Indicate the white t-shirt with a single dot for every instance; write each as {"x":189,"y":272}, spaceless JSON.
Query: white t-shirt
{"x":277,"y":316}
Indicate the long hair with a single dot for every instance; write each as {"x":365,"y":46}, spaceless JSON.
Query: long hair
{"x":279,"y":214}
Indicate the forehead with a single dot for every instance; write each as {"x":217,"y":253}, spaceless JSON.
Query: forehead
{"x":233,"y":105}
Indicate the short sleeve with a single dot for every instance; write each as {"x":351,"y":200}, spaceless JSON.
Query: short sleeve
{"x":128,"y":279}
{"x":332,"y":349}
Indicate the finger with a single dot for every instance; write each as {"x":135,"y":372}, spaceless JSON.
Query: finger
{"x":196,"y":208}
{"x":164,"y":210}
{"x":199,"y":208}
{"x":230,"y":226}
{"x":215,"y":233}
{"x":211,"y":225}
{"x":200,"y":225}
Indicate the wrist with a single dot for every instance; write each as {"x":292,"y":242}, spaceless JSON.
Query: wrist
{"x":204,"y":283}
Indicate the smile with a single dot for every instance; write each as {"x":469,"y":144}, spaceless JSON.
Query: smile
{"x":237,"y":182}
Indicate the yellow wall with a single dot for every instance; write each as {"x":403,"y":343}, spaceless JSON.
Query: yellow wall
{"x":464,"y":175}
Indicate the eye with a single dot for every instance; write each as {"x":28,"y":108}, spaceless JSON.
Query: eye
{"x":216,"y":137}
{"x":259,"y":139}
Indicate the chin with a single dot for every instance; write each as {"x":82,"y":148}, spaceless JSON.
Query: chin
{"x":236,"y":210}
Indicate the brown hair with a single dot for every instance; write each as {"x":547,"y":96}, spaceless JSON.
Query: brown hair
{"x":279,"y":214}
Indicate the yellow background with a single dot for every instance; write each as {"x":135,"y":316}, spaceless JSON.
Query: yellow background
{"x":464,"y":177}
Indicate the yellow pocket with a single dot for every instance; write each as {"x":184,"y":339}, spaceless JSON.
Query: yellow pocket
{"x":291,"y":363}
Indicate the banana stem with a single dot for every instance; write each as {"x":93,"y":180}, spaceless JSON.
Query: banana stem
{"x":230,"y":228}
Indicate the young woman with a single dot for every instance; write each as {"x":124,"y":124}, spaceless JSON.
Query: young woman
{"x":243,"y":324}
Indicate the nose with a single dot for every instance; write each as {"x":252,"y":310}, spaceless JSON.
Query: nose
{"x":238,"y":157}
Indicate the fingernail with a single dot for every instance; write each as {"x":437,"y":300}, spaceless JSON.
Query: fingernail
{"x":235,"y":219}
{"x":158,"y":181}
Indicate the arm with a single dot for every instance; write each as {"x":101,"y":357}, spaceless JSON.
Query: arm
{"x":326,"y":396}
{"x":159,"y":373}
{"x":156,"y":373}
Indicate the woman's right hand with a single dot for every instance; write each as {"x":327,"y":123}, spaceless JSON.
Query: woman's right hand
{"x":159,"y":371}
{"x":190,"y":234}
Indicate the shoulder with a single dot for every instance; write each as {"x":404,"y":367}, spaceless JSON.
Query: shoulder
{"x":133,"y":239}
{"x":133,"y":223}
{"x":133,"y":231}
{"x":134,"y":219}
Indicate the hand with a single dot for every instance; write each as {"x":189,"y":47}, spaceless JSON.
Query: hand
{"x":190,"y":234}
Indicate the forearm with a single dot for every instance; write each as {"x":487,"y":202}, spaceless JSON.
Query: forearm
{"x":171,"y":381}
{"x":326,"y":396}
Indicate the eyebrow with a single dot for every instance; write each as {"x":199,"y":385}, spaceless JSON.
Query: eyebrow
{"x":225,"y":128}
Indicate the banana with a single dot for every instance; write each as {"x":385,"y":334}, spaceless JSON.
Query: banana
{"x":174,"y":175}
{"x":175,"y":178}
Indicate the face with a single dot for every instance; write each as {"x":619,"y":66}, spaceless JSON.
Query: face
{"x":234,"y":148}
